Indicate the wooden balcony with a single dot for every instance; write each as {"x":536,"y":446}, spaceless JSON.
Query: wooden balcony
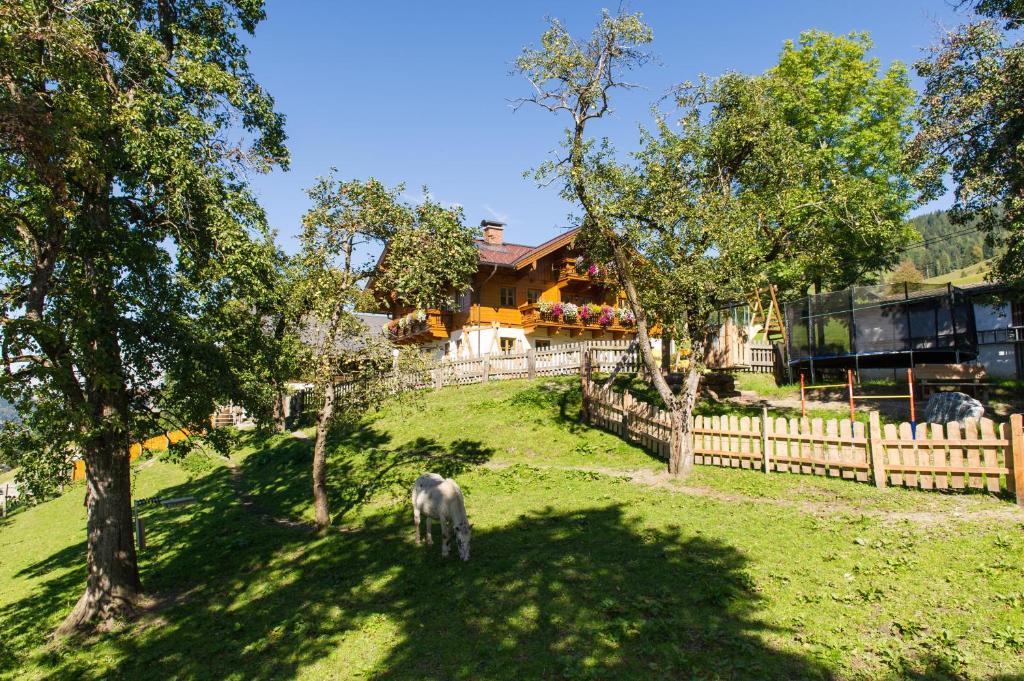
{"x":534,"y":322}
{"x":435,"y":327}
{"x":568,"y":273}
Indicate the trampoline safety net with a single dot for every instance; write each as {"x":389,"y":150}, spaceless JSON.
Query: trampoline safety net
{"x":892,"y":325}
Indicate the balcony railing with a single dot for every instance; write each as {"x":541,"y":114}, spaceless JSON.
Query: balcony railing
{"x":532,"y":319}
{"x":568,"y":271}
{"x":1013,"y":334}
{"x":434,"y":327}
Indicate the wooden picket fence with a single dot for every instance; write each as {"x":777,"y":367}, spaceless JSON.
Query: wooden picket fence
{"x":976,"y":456}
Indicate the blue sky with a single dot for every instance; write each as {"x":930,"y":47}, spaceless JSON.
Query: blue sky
{"x":417,"y":92}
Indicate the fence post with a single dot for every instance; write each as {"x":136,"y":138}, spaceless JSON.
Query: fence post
{"x":1017,"y":454}
{"x":531,"y":363}
{"x":764,"y":440}
{"x":627,"y":410}
{"x":585,"y":386}
{"x":487,"y":368}
{"x":439,"y":378}
{"x":877,"y":449}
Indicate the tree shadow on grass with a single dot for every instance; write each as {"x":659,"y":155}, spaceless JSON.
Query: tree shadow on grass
{"x":360,"y":466}
{"x":584,"y":594}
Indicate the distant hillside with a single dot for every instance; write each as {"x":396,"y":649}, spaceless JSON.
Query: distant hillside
{"x":972,"y":274}
{"x":7,"y":412}
{"x":946,"y":247}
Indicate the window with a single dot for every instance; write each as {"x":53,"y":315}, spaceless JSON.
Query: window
{"x":541,"y":344}
{"x":508,"y":297}
{"x":532,"y":295}
{"x":507,"y":344}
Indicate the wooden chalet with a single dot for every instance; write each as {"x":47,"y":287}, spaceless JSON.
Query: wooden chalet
{"x":521,"y":298}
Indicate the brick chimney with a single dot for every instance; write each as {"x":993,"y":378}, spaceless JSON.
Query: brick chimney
{"x":494,"y":231}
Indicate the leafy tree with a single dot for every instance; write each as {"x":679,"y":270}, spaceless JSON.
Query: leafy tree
{"x":428,"y":257}
{"x":906,"y":273}
{"x":858,"y":121}
{"x":258,"y":328}
{"x":126,"y":130}
{"x":709,"y":208}
{"x":39,"y":447}
{"x":973,"y":127}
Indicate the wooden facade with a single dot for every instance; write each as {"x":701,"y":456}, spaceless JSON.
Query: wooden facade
{"x":502,"y":310}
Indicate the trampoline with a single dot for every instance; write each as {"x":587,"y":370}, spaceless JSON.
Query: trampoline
{"x":887,"y":326}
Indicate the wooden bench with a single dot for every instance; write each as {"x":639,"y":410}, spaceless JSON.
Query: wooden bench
{"x":967,"y":378}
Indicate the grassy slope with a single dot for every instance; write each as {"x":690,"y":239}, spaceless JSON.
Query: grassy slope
{"x":574,"y":574}
{"x":971,"y":274}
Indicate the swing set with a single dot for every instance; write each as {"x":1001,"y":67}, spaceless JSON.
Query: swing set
{"x":853,"y":397}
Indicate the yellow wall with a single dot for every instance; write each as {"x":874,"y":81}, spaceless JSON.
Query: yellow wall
{"x":153,"y":444}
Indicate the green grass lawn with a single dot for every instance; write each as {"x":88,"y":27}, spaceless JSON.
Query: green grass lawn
{"x":577,"y":569}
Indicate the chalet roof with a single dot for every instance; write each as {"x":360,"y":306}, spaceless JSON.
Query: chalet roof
{"x":500,"y":254}
{"x":519,"y":255}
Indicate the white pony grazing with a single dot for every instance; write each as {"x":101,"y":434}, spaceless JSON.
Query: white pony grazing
{"x":435,"y":497}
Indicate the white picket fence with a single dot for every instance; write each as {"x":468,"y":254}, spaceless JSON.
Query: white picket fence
{"x":561,"y":360}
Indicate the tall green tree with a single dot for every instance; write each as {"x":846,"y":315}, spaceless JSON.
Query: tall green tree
{"x":972,"y":128}
{"x":126,"y":130}
{"x":723,"y":199}
{"x":428,"y":258}
{"x":858,"y":120}
{"x":259,"y":329}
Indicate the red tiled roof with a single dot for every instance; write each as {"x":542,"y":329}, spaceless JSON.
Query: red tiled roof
{"x":508,"y":255}
{"x":500,"y":254}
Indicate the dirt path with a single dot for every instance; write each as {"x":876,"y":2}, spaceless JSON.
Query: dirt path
{"x":958,"y":507}
{"x":251,"y":504}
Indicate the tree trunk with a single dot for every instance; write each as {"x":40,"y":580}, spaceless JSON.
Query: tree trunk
{"x":278,"y":410}
{"x":320,"y":502}
{"x":112,"y":584}
{"x":681,"y":418}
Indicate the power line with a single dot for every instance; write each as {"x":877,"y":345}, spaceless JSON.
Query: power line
{"x":931,"y":241}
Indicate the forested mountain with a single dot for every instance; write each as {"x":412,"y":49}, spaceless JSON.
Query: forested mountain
{"x":946,"y":246}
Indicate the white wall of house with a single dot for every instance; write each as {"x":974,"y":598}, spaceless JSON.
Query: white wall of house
{"x":997,"y":356}
{"x":487,"y":340}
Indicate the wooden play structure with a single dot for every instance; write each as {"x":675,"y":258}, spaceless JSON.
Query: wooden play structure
{"x":746,"y":333}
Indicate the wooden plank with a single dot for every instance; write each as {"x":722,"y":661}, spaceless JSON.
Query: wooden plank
{"x":806,"y":447}
{"x":717,"y":440}
{"x":745,"y":449}
{"x":877,"y":450}
{"x":989,"y":456}
{"x":924,"y":457}
{"x":980,"y":442}
{"x":860,"y":452}
{"x":818,"y":447}
{"x":832,"y":452}
{"x":734,"y":441}
{"x":766,"y":441}
{"x":908,"y":453}
{"x":811,"y":461}
{"x":782,"y":443}
{"x":956,"y":454}
{"x":998,"y":470}
{"x":1015,"y":457}
{"x":892,"y":454}
{"x":698,"y":440}
{"x":974,"y":480}
{"x":940,"y":458}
